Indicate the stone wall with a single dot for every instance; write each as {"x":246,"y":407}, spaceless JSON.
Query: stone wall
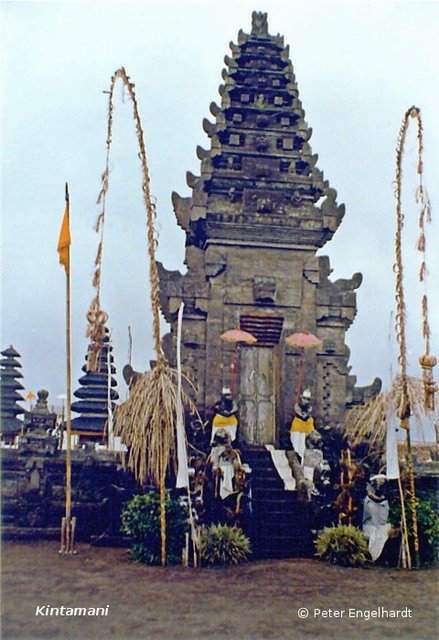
{"x":33,"y":492}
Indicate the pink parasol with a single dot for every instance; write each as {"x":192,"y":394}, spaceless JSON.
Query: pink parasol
{"x":302,"y":340}
{"x":237,"y":335}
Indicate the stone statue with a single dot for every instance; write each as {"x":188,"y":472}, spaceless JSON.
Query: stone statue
{"x":225,"y":416}
{"x":41,"y":432}
{"x":196,"y":433}
{"x":227,"y":467}
{"x":313,"y":455}
{"x":129,"y":375}
{"x":41,"y":405}
{"x":312,"y":475}
{"x":302,"y":423}
{"x":376,"y":515}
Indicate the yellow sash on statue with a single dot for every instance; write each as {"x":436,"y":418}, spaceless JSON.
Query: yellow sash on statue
{"x":302,"y":426}
{"x":224,"y":421}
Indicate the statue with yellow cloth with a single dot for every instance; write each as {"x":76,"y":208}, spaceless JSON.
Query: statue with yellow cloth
{"x":302,"y":423}
{"x":225,"y":416}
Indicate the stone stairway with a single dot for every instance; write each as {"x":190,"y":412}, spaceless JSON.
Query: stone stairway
{"x":280,"y":523}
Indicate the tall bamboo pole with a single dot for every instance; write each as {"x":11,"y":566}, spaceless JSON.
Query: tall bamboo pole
{"x":146,"y":421}
{"x":163,"y":445}
{"x":405,"y":538}
{"x":162,"y":509}
{"x":404,"y":409}
{"x":69,"y":402}
{"x":67,"y":541}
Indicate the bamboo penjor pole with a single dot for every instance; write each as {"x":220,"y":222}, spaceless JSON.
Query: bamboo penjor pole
{"x":154,"y":282}
{"x":146,"y":421}
{"x":405,"y":408}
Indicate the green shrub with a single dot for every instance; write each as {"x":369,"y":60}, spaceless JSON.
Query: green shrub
{"x":141,"y":521}
{"x":343,"y":544}
{"x":428,"y":525}
{"x":223,"y":545}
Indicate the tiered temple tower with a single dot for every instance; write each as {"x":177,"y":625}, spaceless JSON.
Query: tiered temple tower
{"x":95,"y":394}
{"x":257,"y":215}
{"x":10,"y":394}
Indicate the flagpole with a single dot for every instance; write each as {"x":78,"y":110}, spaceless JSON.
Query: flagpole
{"x":68,"y":402}
{"x":68,"y":523}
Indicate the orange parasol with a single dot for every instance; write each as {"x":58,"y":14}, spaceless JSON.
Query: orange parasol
{"x":237,"y":335}
{"x":302,"y":340}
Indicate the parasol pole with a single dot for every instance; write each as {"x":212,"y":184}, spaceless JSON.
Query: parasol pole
{"x":234,"y":368}
{"x":301,"y":365}
{"x":237,"y":335}
{"x":301,"y":341}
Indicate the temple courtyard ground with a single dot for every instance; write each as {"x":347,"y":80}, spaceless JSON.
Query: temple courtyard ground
{"x":255,"y":601}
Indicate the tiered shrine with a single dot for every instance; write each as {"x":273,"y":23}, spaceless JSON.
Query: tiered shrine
{"x":97,"y":397}
{"x":10,"y":391}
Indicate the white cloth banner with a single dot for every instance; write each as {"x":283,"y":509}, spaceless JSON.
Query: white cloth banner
{"x":183,"y":473}
{"x":392,"y":463}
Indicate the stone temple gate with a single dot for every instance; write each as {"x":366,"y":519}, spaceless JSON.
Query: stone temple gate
{"x":258,"y":213}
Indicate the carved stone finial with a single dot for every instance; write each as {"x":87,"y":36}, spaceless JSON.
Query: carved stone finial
{"x":259,"y":24}
{"x":41,"y":405}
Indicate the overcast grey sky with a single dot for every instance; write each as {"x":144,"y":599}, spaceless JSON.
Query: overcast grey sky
{"x":359,"y":66}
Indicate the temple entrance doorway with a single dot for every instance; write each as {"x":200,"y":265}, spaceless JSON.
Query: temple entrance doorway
{"x":257,"y":405}
{"x":259,"y":373}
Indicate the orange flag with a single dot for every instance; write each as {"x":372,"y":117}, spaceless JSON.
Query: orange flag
{"x":64,"y":241}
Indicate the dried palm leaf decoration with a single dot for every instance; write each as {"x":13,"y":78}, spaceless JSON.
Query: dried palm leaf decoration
{"x":146,"y":421}
{"x":427,"y":361}
{"x":369,"y":421}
